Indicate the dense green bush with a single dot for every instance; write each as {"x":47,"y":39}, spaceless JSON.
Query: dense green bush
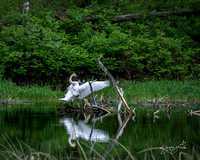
{"x":37,"y":47}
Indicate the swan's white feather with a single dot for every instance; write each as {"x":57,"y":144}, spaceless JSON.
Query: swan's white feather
{"x":69,"y":95}
{"x":84,"y":89}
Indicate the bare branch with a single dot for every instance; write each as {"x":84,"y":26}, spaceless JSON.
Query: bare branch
{"x":115,"y":84}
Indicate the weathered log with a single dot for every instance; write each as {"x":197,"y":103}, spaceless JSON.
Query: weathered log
{"x":154,"y":13}
{"x":114,"y":84}
{"x":134,"y":15}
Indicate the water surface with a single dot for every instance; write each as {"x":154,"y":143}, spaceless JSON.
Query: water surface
{"x":43,"y":129}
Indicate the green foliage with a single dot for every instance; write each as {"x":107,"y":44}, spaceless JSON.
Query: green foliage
{"x":37,"y":47}
{"x":34,"y":48}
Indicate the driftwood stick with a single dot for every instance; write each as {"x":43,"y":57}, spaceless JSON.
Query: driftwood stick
{"x":115,"y":85}
{"x":92,"y":93}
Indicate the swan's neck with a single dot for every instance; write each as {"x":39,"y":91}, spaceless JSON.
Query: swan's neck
{"x":71,"y":81}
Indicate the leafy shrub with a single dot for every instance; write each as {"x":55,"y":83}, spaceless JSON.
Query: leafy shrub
{"x":39,"y":48}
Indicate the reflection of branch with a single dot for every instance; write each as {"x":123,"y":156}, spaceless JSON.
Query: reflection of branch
{"x":92,"y":128}
{"x":115,"y":84}
{"x":101,"y":117}
{"x":121,"y":128}
{"x":119,"y":119}
{"x":168,"y":108}
{"x":119,"y":132}
{"x":195,"y":112}
{"x":168,"y":115}
{"x":87,"y":117}
{"x":155,"y":115}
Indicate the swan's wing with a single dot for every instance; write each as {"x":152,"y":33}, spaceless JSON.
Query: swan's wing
{"x":69,"y":95}
{"x":84,"y":89}
{"x":98,"y":85}
{"x":69,"y":90}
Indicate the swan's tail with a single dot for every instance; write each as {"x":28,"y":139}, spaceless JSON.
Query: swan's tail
{"x":63,"y":99}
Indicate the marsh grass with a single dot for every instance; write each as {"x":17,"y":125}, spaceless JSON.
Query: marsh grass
{"x":10,"y":91}
{"x":158,"y":91}
{"x":119,"y":151}
{"x":20,"y":150}
{"x":98,"y":151}
{"x":16,"y":149}
{"x":150,"y":91}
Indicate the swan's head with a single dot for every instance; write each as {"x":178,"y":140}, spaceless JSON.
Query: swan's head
{"x":71,"y":81}
{"x":74,"y":75}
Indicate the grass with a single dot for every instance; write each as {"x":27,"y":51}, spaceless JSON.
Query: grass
{"x":9,"y":91}
{"x":153,"y":90}
{"x":158,"y":91}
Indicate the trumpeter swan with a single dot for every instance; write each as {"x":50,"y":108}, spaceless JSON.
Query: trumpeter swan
{"x":81,"y":91}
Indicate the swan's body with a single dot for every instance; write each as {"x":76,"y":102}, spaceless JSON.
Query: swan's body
{"x":75,"y":90}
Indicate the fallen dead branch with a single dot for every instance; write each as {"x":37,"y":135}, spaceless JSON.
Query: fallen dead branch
{"x":134,"y":15}
{"x":114,"y":84}
{"x":154,"y":13}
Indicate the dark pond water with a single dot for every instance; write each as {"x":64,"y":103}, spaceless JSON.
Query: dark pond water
{"x":38,"y":130}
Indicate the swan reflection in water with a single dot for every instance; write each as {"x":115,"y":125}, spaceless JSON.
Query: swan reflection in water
{"x":82,"y":130}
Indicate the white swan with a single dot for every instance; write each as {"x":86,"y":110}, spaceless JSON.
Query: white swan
{"x":81,"y":91}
